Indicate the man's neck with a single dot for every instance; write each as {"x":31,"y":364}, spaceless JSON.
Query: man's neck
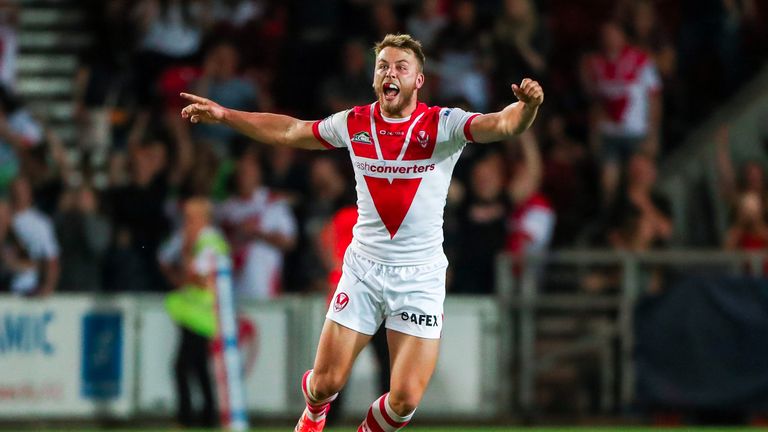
{"x":405,"y":112}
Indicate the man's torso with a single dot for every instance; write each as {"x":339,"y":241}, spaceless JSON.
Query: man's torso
{"x":403,"y":170}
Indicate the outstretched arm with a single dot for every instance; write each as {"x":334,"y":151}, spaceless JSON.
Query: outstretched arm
{"x":267,"y":128}
{"x":512,"y":120}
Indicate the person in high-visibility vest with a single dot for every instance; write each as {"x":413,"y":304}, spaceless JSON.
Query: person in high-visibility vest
{"x":189,"y":260}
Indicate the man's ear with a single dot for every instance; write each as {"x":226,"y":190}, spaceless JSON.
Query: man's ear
{"x":419,"y":80}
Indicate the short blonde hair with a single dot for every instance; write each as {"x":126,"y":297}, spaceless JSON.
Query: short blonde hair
{"x":403,"y":42}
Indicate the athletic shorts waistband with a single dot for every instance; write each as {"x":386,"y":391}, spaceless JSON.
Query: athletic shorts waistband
{"x":435,"y":260}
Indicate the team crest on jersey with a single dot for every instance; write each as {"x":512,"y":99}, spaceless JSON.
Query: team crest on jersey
{"x":362,"y":137}
{"x":340,"y":302}
{"x":423,"y":138}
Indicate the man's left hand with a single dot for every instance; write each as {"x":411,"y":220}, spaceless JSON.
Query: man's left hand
{"x":529,"y":92}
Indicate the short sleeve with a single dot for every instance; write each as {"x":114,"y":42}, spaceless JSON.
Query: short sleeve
{"x":279,"y":219}
{"x":331,"y":130}
{"x":649,"y":76}
{"x":455,"y":122}
{"x":538,"y":224}
{"x":37,"y":236}
{"x":48,"y":242}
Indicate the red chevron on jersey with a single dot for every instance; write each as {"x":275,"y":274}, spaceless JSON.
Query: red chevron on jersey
{"x":393,"y":200}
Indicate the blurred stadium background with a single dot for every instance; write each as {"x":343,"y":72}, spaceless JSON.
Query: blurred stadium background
{"x":607,"y":267}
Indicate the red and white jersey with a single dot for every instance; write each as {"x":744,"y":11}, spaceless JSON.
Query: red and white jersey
{"x":624,"y":85}
{"x":258,"y":265}
{"x":403,"y":168}
{"x":530,"y":225}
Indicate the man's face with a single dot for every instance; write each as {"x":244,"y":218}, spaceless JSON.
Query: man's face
{"x":396,"y":78}
{"x":613,"y":38}
{"x":195,"y":219}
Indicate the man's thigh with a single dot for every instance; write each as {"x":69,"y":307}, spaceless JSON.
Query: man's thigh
{"x":336,"y":353}
{"x":413,"y":360}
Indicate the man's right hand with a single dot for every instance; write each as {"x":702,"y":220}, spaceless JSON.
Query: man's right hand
{"x":202,"y":110}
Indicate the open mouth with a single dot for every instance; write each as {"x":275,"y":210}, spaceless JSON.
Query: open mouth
{"x":391,"y":90}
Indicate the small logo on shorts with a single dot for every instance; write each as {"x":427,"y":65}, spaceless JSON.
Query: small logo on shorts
{"x":340,"y":302}
{"x":420,"y":319}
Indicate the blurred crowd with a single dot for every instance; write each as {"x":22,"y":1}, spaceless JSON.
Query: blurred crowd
{"x":625,"y":80}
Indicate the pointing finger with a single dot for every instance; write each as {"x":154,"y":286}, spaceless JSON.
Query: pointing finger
{"x":193,"y":98}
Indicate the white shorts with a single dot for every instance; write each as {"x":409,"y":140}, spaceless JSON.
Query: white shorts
{"x":408,"y":298}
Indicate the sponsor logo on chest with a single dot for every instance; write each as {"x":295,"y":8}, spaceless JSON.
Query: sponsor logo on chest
{"x":362,"y":138}
{"x":391,"y":133}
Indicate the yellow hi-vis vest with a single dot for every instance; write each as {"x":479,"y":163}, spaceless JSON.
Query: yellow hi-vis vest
{"x":194,"y":306}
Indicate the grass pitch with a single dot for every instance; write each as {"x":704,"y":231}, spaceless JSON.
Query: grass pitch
{"x":458,"y":429}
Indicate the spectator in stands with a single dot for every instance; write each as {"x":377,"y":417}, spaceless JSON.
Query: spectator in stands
{"x":640,"y":201}
{"x":19,"y":131}
{"x":351,"y":86}
{"x":220,"y":81}
{"x":626,"y":112}
{"x":641,"y":222}
{"x":636,"y":233}
{"x":261,"y":229}
{"x":459,"y":64}
{"x":137,"y":210}
{"x":84,"y":234}
{"x":569,"y":180}
{"x":206,"y":174}
{"x":189,"y":262}
{"x":749,"y":231}
{"x":426,"y":23}
{"x":48,"y":170}
{"x":102,"y":83}
{"x":286,"y":174}
{"x":482,"y":221}
{"x":751,"y":175}
{"x":518,"y":46}
{"x":36,"y":269}
{"x":170,"y":33}
{"x":9,"y":45}
{"x":327,"y":191}
{"x":531,"y":223}
{"x":646,"y":33}
{"x":312,"y":42}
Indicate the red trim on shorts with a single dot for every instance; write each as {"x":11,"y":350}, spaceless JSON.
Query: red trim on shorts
{"x":386,"y":416}
{"x":316,"y":132}
{"x":467,"y":133}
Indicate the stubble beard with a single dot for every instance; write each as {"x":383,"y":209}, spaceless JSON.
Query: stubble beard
{"x":396,"y":106}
